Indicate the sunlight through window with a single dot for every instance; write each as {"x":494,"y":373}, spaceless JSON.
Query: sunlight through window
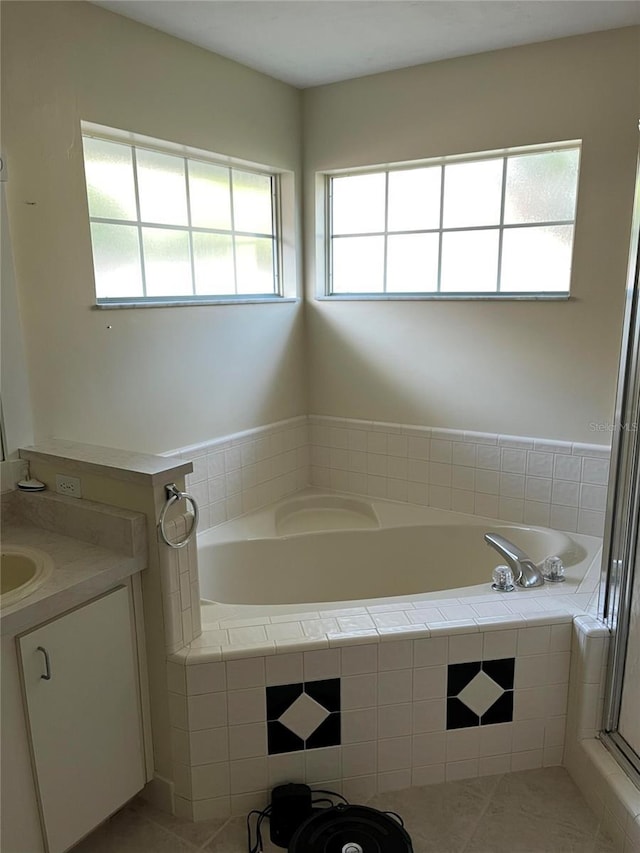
{"x":170,"y":228}
{"x":482,"y":225}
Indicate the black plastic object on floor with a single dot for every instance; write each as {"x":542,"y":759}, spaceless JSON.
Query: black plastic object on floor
{"x":350,"y":829}
{"x":290,"y":807}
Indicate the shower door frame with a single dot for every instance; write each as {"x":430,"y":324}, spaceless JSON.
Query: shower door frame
{"x":621,"y":552}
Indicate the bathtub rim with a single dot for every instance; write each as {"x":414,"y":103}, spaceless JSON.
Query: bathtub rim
{"x":559,"y":605}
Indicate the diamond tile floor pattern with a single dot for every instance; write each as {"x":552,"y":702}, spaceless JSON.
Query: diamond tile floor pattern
{"x":534,"y":811}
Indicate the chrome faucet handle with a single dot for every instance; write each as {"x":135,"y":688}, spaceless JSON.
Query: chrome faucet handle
{"x":502,"y":578}
{"x":553,"y":570}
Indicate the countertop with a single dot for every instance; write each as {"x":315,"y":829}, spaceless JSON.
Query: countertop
{"x":82,"y":570}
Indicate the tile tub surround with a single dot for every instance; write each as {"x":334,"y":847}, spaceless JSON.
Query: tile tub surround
{"x":521,"y":479}
{"x":555,"y":484}
{"x":392,"y":705}
{"x":241,"y":472}
{"x":401,"y":663}
{"x":180,"y":585}
{"x":398,"y":735}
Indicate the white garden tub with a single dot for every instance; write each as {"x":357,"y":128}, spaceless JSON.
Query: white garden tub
{"x":321,"y":549}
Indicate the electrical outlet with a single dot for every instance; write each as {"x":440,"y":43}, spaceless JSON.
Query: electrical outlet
{"x":68,"y":486}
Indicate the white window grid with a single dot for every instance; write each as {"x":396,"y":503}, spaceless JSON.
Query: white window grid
{"x":139,"y":223}
{"x":440,"y":231}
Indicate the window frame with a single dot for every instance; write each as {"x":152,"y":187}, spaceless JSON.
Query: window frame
{"x":282,"y":204}
{"x":324,"y":211}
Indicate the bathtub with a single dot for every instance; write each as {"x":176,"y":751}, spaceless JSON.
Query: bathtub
{"x":324,"y":550}
{"x":371,"y":602}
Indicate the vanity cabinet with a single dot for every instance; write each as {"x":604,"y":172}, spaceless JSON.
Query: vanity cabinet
{"x":82,"y":694}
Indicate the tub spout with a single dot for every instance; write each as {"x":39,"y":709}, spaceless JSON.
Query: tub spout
{"x":525,"y":571}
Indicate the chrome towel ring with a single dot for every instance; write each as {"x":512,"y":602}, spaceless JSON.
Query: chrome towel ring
{"x":173,"y":495}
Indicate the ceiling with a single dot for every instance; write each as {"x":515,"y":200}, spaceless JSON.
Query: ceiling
{"x":312,"y":42}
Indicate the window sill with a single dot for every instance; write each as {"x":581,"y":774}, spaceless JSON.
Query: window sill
{"x":445,"y":297}
{"x":176,"y":303}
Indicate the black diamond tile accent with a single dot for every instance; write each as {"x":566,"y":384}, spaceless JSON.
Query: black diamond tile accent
{"x":281,"y":739}
{"x":326,"y":693}
{"x":459,"y":675}
{"x":280,"y":698}
{"x":327,"y":733}
{"x":500,"y":712}
{"x":459,"y":716}
{"x":502,"y":671}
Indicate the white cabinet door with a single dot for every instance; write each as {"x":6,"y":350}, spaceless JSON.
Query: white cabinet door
{"x":84,"y":719}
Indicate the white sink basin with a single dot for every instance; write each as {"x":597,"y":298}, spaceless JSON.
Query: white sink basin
{"x":22,"y":571}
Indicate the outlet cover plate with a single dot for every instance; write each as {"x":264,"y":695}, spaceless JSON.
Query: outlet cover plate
{"x":69,"y":486}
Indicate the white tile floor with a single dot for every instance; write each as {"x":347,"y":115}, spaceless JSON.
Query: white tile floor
{"x":535,"y":811}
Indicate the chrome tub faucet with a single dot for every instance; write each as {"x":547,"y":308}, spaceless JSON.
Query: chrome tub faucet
{"x":525,"y":571}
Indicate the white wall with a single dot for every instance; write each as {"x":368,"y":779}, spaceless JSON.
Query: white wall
{"x":543,"y":369}
{"x":158,"y":378}
{"x":165,"y":378}
{"x":16,"y":402}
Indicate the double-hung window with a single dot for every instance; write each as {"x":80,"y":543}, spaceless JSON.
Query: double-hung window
{"x":168,"y":228}
{"x":489,"y":225}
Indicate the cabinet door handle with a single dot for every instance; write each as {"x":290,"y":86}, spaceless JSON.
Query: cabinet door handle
{"x":47,"y":664}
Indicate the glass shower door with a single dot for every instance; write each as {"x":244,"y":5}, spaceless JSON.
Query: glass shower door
{"x":620,"y":601}
{"x":629,"y":723}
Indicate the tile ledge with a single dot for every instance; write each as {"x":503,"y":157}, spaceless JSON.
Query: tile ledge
{"x":622,"y":788}
{"x":192,"y":655}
